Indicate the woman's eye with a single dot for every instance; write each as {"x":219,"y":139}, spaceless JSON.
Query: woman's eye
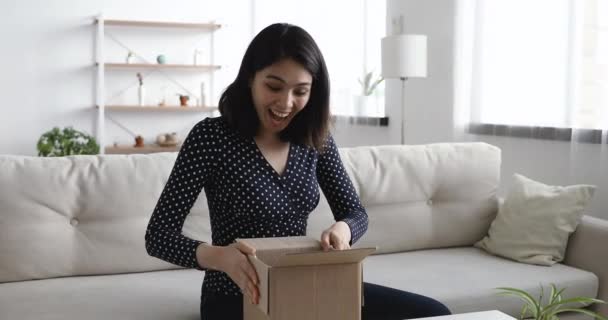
{"x":273,"y":88}
{"x":302,"y":93}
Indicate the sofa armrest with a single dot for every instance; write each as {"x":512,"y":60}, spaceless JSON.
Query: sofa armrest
{"x":587,"y":250}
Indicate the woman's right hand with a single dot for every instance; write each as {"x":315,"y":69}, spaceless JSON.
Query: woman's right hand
{"x":234,"y":262}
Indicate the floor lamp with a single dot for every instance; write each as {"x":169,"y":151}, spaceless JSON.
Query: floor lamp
{"x":404,"y":57}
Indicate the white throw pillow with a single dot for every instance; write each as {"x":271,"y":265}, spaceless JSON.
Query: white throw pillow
{"x":535,"y":220}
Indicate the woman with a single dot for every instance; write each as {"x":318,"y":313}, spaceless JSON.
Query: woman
{"x":261,"y":164}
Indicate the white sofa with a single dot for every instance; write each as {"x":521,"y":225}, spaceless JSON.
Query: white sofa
{"x":72,"y":234}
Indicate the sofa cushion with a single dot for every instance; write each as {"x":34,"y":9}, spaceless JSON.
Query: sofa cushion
{"x":464,"y":278}
{"x":535,"y":220}
{"x":173,"y":294}
{"x":82,"y":215}
{"x":421,"y":196}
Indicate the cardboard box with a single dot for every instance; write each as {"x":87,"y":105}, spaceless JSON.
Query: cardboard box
{"x":299,"y":281}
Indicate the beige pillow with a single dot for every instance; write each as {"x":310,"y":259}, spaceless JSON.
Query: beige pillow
{"x":535,"y":220}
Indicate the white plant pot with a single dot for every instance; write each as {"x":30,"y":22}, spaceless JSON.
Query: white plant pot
{"x":364,"y":105}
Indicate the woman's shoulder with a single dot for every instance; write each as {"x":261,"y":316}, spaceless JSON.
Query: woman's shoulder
{"x":211,"y":126}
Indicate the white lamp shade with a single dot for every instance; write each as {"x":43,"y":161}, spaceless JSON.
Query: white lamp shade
{"x":404,"y":56}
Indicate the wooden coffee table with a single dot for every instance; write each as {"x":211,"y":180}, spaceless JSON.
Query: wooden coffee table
{"x":484,"y":315}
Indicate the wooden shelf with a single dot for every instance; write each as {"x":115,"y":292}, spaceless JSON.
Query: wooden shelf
{"x":151,"y":148}
{"x":159,"y":24}
{"x":160,"y":66}
{"x":131,"y":108}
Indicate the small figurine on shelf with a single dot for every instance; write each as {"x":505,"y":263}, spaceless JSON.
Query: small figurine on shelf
{"x":163,"y":101}
{"x":140,"y":90}
{"x":198,"y":57}
{"x":161,"y":59}
{"x":130,"y":57}
{"x":167,"y":139}
{"x":139,"y":141}
{"x":183,"y":100}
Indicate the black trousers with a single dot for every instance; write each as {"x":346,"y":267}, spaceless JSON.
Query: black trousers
{"x":381,"y":303}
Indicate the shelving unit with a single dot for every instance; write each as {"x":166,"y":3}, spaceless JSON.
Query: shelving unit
{"x":123,"y":149}
{"x":161,"y":24}
{"x":103,"y":66}
{"x":120,"y":108}
{"x":160,"y":66}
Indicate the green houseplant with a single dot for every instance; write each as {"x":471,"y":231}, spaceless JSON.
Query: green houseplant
{"x":369,"y":84}
{"x":366,"y":103}
{"x":536,"y":309}
{"x":66,"y":142}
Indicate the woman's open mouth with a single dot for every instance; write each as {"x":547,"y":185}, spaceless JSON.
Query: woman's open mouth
{"x":278,"y":118}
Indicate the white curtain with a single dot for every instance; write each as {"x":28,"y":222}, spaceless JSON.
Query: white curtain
{"x":533,"y":69}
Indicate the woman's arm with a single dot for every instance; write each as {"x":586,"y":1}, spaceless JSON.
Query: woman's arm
{"x":342,"y":198}
{"x":193,"y":167}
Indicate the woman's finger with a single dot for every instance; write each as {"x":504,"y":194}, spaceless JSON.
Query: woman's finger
{"x":325,"y":241}
{"x":245,"y":248}
{"x":253,"y":289}
{"x":249,"y":270}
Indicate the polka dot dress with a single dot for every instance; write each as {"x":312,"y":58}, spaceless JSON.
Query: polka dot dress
{"x":247,"y":198}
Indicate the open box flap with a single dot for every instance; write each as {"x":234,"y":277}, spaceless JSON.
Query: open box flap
{"x":322,"y":257}
{"x":301,"y":251}
{"x":288,"y":244}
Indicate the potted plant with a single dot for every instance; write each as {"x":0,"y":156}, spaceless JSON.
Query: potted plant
{"x":183,"y":99}
{"x":366,"y":101}
{"x":536,"y":309}
{"x":66,"y":142}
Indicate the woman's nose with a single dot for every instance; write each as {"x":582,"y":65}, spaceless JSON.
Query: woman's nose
{"x":286,"y":100}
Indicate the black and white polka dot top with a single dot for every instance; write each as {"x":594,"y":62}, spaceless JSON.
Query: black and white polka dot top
{"x":247,"y":198}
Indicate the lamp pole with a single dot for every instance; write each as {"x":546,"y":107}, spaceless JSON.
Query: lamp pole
{"x":403,"y":80}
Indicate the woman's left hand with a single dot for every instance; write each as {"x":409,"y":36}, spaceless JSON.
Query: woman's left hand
{"x":337,"y":237}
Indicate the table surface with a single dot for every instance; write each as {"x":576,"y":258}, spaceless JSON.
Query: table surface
{"x":484,"y":315}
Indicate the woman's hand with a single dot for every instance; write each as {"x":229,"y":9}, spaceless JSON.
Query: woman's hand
{"x":337,"y":237}
{"x":233,"y":261}
{"x":236,"y":265}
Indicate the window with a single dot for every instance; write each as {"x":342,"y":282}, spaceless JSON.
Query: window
{"x":540,"y":63}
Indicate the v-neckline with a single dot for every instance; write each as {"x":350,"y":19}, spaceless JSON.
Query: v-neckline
{"x":267,"y":163}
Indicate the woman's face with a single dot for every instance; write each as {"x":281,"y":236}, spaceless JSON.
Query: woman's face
{"x":279,"y":92}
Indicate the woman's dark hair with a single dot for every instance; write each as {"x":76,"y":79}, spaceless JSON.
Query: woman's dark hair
{"x":277,"y":42}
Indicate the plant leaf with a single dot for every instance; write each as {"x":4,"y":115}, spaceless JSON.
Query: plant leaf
{"x":526,"y":297}
{"x":584,"y":311}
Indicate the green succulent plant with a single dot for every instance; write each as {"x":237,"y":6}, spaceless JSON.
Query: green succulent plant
{"x":537,"y":310}
{"x":66,"y":142}
{"x":368,"y":85}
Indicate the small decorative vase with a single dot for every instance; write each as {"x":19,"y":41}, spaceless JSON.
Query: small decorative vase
{"x":161,"y":59}
{"x":139,"y":141}
{"x":141,"y":93}
{"x":183,"y":100}
{"x":198,"y":57}
{"x":130,"y":57}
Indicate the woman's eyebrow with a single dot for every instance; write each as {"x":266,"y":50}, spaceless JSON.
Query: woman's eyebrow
{"x":270,"y":76}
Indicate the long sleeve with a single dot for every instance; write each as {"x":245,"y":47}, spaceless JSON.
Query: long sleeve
{"x":340,"y":192}
{"x":193,"y":167}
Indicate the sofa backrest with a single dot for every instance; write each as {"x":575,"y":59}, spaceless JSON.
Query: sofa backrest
{"x":81,"y":215}
{"x":421,"y":196}
{"x":85,"y":215}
